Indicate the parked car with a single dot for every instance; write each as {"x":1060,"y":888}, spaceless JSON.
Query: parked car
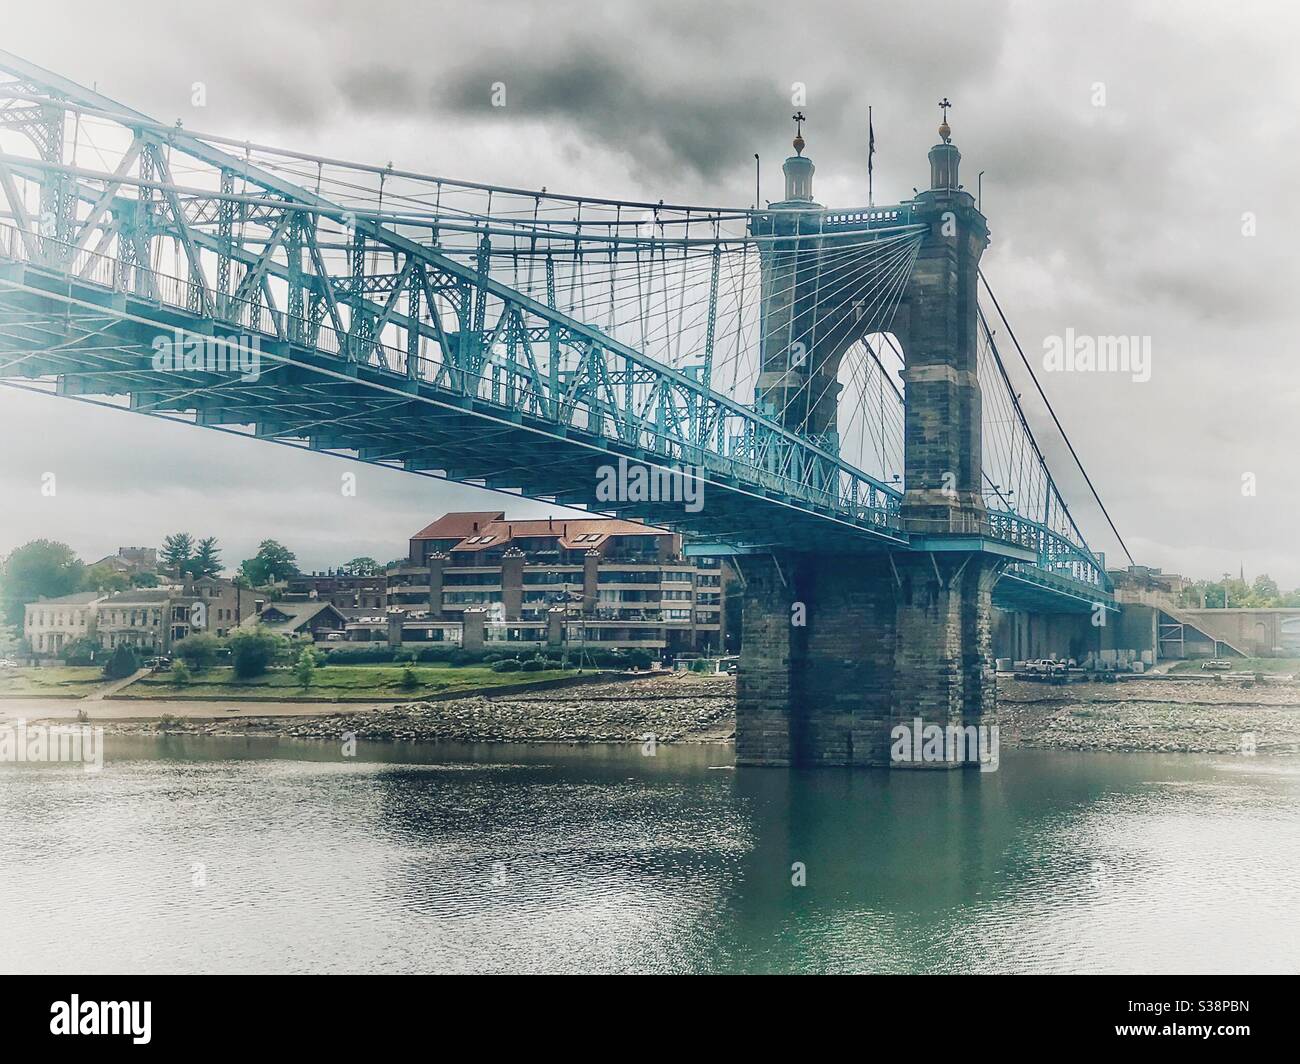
{"x":1045,"y":666}
{"x":8,"y":663}
{"x":158,"y":663}
{"x":1216,"y":665}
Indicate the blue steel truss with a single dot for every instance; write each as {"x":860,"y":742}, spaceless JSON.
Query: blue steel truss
{"x":407,"y":352}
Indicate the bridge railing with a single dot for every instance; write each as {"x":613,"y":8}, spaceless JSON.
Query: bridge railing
{"x":1057,"y":556}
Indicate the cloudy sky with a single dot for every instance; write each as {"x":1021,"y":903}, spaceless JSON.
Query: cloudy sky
{"x":1123,"y":144}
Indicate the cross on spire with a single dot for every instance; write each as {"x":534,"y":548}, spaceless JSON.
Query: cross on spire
{"x":944,"y":130}
{"x":799,"y":120}
{"x":945,"y":105}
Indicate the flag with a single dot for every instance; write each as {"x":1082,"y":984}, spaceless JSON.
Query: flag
{"x":871,"y":151}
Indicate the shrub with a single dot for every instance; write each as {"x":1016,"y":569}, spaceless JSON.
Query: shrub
{"x":181,"y":674}
{"x":410,"y":680}
{"x":304,"y":669}
{"x":535,"y":664}
{"x":122,"y":663}
{"x":82,"y":651}
{"x":639,"y":659}
{"x":363,"y":654}
{"x":507,"y":665}
{"x":252,"y":650}
{"x":198,"y":651}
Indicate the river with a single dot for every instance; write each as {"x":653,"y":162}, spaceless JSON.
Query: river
{"x":207,"y":854}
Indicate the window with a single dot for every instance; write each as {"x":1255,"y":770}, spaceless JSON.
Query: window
{"x":546,"y":576}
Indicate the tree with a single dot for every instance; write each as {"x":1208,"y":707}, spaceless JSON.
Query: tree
{"x":11,"y":641}
{"x":304,"y":668}
{"x":198,"y":651}
{"x":144,"y":580}
{"x":177,"y":549}
{"x":1265,"y":591}
{"x":207,"y":558}
{"x":273,"y":562}
{"x":252,"y":650}
{"x":81,"y":651}
{"x":103,"y":577}
{"x":362,"y":566}
{"x":181,"y":674}
{"x":122,"y":663}
{"x":41,"y":567}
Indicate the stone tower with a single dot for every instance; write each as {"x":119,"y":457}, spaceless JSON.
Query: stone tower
{"x":889,"y":638}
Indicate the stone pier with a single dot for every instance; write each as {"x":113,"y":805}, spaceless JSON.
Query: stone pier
{"x":838,"y":650}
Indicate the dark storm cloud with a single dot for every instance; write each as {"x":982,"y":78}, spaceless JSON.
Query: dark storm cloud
{"x":664,"y":127}
{"x":694,"y":89}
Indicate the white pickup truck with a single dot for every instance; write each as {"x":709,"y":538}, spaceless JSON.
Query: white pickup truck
{"x":1045,"y":666}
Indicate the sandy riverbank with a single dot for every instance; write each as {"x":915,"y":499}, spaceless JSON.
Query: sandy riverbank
{"x":1205,"y":715}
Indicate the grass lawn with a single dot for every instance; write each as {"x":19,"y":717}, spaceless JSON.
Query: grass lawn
{"x":1247,"y":665}
{"x":69,"y":681}
{"x":353,"y":681}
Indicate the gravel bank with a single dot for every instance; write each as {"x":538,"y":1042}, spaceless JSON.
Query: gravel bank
{"x":1212,"y":715}
{"x":674,"y":707}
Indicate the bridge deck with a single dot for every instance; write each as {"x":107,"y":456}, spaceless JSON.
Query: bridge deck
{"x":309,"y":397}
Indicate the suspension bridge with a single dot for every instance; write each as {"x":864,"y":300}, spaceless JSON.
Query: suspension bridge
{"x":830,"y":378}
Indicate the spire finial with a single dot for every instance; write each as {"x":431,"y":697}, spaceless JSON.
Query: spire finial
{"x":945,"y":131}
{"x":799,"y":119}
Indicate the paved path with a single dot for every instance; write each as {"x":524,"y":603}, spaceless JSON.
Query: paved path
{"x":115,"y":686}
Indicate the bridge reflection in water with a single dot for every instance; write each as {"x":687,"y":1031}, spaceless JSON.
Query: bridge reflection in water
{"x":599,"y":859}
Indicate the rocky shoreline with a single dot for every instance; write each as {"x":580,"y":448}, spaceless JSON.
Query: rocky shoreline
{"x":1203,"y":715}
{"x":1212,"y":715}
{"x":675,"y":707}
